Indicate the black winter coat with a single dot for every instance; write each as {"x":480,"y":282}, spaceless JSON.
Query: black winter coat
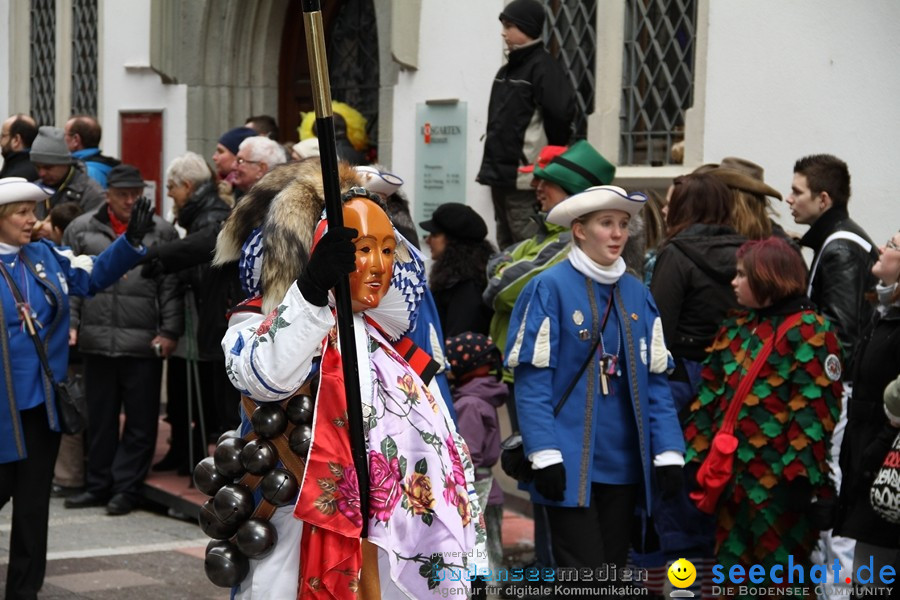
{"x":122,"y":319}
{"x":869,"y":435}
{"x":692,"y":287}
{"x":531,"y":82}
{"x":215,"y":289}
{"x":18,"y":164}
{"x":842,"y":278}
{"x":460,"y":308}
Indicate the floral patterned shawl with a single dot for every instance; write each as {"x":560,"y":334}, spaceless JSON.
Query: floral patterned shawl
{"x":423,"y":511}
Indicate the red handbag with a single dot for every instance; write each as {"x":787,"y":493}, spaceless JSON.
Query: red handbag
{"x":716,"y":471}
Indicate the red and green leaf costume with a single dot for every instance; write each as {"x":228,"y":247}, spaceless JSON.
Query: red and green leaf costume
{"x":783,"y":431}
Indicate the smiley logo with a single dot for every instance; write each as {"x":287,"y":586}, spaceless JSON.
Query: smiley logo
{"x":682,"y":573}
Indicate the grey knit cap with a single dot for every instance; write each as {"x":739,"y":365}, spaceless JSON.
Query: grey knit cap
{"x":49,"y":147}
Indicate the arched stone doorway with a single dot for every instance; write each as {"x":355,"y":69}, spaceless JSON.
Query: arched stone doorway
{"x":353,"y":63}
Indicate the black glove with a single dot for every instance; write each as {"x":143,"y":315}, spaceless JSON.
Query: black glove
{"x":333,"y":258}
{"x":823,"y":513}
{"x":550,"y":482}
{"x":513,"y":460}
{"x":152,"y":269}
{"x":141,"y":222}
{"x":670,"y":479}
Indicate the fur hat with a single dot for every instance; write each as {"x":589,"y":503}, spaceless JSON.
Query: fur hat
{"x":19,"y":189}
{"x":49,"y":147}
{"x":602,"y":197}
{"x":285,"y":206}
{"x":527,"y":15}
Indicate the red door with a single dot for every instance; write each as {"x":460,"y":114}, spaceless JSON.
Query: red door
{"x":141,"y":145}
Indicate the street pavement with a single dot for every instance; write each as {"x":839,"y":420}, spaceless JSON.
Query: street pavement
{"x":139,"y":556}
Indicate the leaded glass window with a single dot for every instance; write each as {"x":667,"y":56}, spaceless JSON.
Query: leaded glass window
{"x":353,"y":61}
{"x":658,"y":78}
{"x":43,"y":61}
{"x":572,"y":38}
{"x":84,"y":57}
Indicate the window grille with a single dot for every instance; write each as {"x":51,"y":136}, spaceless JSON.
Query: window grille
{"x":571,"y":28}
{"x":84,"y":57}
{"x":353,"y":58}
{"x":658,"y":78}
{"x":43,"y":61}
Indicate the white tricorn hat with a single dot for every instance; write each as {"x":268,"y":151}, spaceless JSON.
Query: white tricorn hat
{"x":600,"y":197}
{"x":19,"y":189}
{"x":380,"y":182}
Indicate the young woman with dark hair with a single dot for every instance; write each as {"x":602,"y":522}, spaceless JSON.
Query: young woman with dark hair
{"x":780,"y":493}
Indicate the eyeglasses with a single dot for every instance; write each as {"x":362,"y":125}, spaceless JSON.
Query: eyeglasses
{"x":243,"y":161}
{"x":890,"y":245}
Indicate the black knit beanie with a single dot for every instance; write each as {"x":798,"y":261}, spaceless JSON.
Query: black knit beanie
{"x":528,"y":16}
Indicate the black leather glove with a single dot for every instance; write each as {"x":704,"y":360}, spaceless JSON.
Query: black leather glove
{"x":670,"y":479}
{"x":333,"y":258}
{"x":550,"y":482}
{"x":141,"y":222}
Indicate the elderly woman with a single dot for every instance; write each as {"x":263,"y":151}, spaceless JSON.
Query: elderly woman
{"x":870,"y":432}
{"x":595,"y":411}
{"x":780,"y":494}
{"x":201,"y":212}
{"x":44,"y":276}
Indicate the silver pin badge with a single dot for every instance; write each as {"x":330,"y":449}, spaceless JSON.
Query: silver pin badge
{"x":578,"y":317}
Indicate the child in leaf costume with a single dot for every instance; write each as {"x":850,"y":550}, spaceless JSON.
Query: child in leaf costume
{"x":780,"y":494}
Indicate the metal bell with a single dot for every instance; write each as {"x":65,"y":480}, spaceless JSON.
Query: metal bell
{"x":256,"y":538}
{"x":228,"y":434}
{"x":259,"y":457}
{"x":233,"y":504}
{"x":301,"y":437}
{"x":225,"y":566}
{"x":207,"y":478}
{"x":228,"y":457}
{"x":279,"y":487}
{"x":300,"y":410}
{"x":269,"y":420}
{"x":212,"y":525}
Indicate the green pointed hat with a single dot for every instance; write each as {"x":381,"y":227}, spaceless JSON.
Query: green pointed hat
{"x":578,"y":168}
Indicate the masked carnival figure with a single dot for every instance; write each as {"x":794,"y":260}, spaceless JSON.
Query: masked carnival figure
{"x":285,"y":513}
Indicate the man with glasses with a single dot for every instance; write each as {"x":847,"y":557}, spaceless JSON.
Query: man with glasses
{"x":840,"y":276}
{"x":256,"y":156}
{"x":16,"y":136}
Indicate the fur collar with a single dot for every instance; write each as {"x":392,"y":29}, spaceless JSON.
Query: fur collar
{"x":286,"y":205}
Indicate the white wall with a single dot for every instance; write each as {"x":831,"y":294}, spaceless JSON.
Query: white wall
{"x":788,"y":79}
{"x":5,"y":18}
{"x":125,"y":42}
{"x":460,"y":50}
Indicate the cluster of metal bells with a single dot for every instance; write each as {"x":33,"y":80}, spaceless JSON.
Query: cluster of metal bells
{"x":225,"y":517}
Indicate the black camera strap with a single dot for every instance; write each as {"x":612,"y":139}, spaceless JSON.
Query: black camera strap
{"x":23,"y":309}
{"x":587,"y":361}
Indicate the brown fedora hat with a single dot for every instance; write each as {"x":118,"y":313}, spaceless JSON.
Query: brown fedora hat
{"x":742,"y":174}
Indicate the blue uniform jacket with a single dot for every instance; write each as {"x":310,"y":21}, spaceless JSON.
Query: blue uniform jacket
{"x":546,"y":351}
{"x":61,"y":273}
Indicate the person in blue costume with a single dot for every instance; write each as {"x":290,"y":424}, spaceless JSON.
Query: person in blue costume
{"x":616,"y":435}
{"x":44,"y":275}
